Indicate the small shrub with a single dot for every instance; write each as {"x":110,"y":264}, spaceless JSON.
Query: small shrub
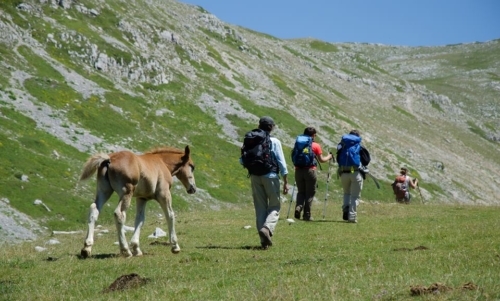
{"x":323,"y":46}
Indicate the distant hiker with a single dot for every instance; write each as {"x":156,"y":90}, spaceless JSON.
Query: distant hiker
{"x":349,"y":161}
{"x":305,"y":155}
{"x":263,"y":157}
{"x":401,"y":186}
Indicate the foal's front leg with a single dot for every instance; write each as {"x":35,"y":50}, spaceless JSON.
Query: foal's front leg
{"x":139,"y":222}
{"x":121,"y":217}
{"x":166,"y":204}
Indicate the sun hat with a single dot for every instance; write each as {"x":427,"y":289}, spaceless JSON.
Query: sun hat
{"x":266,"y":120}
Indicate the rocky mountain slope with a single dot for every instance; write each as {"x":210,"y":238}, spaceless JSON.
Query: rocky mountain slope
{"x":84,"y":76}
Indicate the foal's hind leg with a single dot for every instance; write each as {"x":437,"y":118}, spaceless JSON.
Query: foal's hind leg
{"x":165,"y":201}
{"x":121,"y":217}
{"x":104,"y":192}
{"x":139,"y":222}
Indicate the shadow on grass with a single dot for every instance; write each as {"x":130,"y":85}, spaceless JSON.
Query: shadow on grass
{"x":231,"y":248}
{"x":98,"y":256}
{"x":313,"y":221}
{"x":327,"y":221}
{"x":414,"y":249}
{"x":161,"y":243}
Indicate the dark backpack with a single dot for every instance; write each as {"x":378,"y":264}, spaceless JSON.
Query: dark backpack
{"x":399,"y":186}
{"x":348,"y":151}
{"x":364,"y":156}
{"x":302,"y":152}
{"x":256,"y":153}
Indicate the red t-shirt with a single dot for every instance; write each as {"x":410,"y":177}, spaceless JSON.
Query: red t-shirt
{"x":316,"y":148}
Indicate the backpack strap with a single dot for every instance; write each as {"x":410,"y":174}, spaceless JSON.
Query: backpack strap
{"x":317,"y":162}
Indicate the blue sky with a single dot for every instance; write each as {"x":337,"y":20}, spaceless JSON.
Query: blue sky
{"x":390,"y":22}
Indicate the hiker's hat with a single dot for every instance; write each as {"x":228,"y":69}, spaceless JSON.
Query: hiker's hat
{"x":266,"y":120}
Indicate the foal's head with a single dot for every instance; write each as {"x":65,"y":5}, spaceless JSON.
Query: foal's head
{"x":184,"y":171}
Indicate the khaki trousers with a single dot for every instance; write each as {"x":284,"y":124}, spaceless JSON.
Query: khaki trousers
{"x":352,"y":184}
{"x":266,"y":201}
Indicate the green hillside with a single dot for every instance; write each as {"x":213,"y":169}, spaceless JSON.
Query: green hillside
{"x":93,"y":76}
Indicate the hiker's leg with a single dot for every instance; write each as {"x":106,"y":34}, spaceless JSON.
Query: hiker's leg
{"x":259,"y":200}
{"x":356,"y":186}
{"x":300,"y":182}
{"x":311,"y":181}
{"x":407,"y":197}
{"x":345,"y":179}
{"x":272,"y":188}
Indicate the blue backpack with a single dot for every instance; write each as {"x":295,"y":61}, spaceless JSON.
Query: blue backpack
{"x":302,"y":153}
{"x":348,"y":151}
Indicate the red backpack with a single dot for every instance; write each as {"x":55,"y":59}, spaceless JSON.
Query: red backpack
{"x":399,"y":186}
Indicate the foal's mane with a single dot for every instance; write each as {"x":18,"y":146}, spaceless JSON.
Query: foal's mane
{"x":161,"y":150}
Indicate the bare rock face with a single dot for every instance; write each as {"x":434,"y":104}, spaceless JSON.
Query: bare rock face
{"x":16,"y":226}
{"x":66,"y":4}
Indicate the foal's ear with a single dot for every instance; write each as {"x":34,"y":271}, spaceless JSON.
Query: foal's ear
{"x":186,"y":153}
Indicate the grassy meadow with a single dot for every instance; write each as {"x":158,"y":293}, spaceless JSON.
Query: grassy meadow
{"x":52,"y":98}
{"x":393,"y":250}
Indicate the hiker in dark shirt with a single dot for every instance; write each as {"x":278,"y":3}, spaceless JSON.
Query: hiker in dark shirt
{"x":266,"y":188}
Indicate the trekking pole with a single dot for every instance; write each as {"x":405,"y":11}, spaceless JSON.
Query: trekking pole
{"x":326,"y":193}
{"x":291,"y":199}
{"x":420,"y":192}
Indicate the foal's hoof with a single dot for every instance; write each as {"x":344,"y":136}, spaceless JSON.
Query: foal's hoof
{"x":85,"y":253}
{"x":137,"y":253}
{"x":176,"y":250}
{"x":126,"y":253}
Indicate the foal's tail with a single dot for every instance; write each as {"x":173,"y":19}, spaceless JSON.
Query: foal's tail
{"x":92,"y":164}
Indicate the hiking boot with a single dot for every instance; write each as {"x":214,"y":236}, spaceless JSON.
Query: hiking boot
{"x":298,"y":209}
{"x":345,"y":213}
{"x":265,"y":238}
{"x":307,"y":217}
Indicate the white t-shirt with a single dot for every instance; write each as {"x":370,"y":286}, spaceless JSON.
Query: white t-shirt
{"x":407,"y":187}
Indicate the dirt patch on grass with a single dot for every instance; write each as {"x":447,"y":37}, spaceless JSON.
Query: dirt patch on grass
{"x":437,"y":288}
{"x":126,"y":282}
{"x":414,"y":249}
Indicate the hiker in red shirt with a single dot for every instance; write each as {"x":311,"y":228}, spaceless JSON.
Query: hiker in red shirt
{"x":305,"y":159}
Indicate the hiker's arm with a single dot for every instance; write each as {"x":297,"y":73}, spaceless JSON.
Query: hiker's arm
{"x":280,"y":158}
{"x":324,"y":159}
{"x":414,"y":183}
{"x":285,"y":184}
{"x":278,"y":152}
{"x":319,"y":154}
